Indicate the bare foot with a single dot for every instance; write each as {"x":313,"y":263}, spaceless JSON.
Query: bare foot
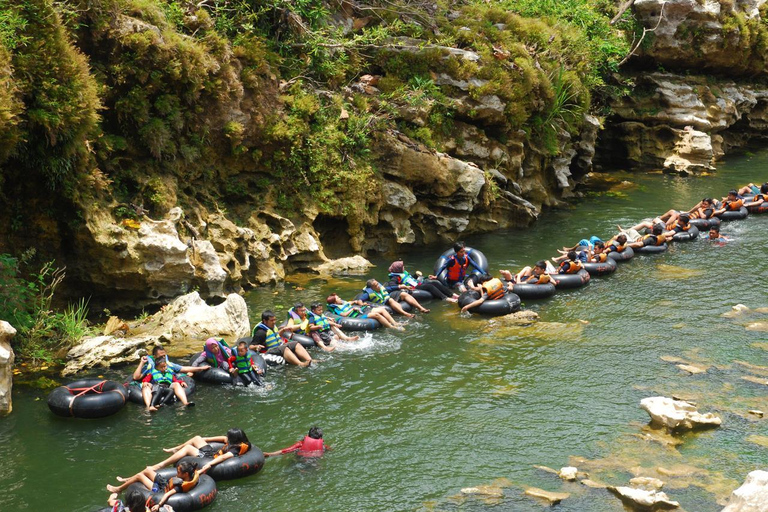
{"x":410,"y":315}
{"x":120,"y":479}
{"x":399,"y":328}
{"x":424,"y":310}
{"x":170,"y":450}
{"x":451,"y":299}
{"x":329,"y":349}
{"x":112,"y":488}
{"x":152,"y":408}
{"x":353,"y":338}
{"x":304,"y":364}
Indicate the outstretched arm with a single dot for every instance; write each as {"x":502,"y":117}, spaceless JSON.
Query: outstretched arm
{"x":292,"y":448}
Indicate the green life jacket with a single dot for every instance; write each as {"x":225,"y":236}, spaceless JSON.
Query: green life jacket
{"x":404,"y":278}
{"x":320,"y":321}
{"x":243,"y":363}
{"x":304,"y":324}
{"x":159,"y":377}
{"x":273,"y":339}
{"x":344,"y":308}
{"x":379,"y":297}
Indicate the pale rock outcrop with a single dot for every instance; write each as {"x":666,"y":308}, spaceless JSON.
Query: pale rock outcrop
{"x":552,"y":498}
{"x":640,"y":499}
{"x":6,"y":366}
{"x":752,"y":496}
{"x":183,"y":325}
{"x":353,"y":265}
{"x":677,"y":414}
{"x":568,"y":473}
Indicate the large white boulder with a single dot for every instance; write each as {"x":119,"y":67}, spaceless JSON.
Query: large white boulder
{"x":677,"y":414}
{"x":183,"y":325}
{"x":752,"y":496}
{"x":641,"y":499}
{"x":6,"y":366}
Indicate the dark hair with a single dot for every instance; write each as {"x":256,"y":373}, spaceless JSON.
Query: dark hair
{"x":266,"y":315}
{"x":298,"y":305}
{"x":315,"y":305}
{"x":685,"y":218}
{"x":601,"y":245}
{"x":156,"y":349}
{"x":572,"y":255}
{"x":541,"y":264}
{"x":764,"y":188}
{"x":331,"y":298}
{"x":658,"y":229}
{"x":716,"y":229}
{"x":708,"y":200}
{"x":135,"y":501}
{"x":733,"y":191}
{"x":160,"y":361}
{"x":236,"y":436}
{"x":242,"y":344}
{"x":369,"y":283}
{"x":458,"y":246}
{"x":484,"y":278}
{"x":186,"y":467}
{"x":622,"y":238}
{"x":315,"y":433}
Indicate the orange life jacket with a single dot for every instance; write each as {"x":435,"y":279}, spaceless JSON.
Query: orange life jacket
{"x":186,"y":486}
{"x":494,"y":288}
{"x":734,"y":205}
{"x":571,"y":268}
{"x":600,"y":258}
{"x":658,"y":239}
{"x":243,"y":449}
{"x":457,"y":271}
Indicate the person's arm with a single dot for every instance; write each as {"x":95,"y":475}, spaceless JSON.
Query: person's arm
{"x":139,"y":371}
{"x":112,"y":501}
{"x":258,"y":340}
{"x":473,"y":262}
{"x":293,"y":448}
{"x":217,"y":460}
{"x":164,"y":499}
{"x":473,"y":304}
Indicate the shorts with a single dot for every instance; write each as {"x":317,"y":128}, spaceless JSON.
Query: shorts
{"x":325,"y":336}
{"x":279,"y":350}
{"x":160,"y":483}
{"x":206,"y":451}
{"x":755,"y":189}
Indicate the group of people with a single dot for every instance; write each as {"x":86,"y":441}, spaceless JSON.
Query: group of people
{"x":235,"y":444}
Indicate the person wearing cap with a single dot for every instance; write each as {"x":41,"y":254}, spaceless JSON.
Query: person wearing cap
{"x":358,"y":309}
{"x":400,"y":279}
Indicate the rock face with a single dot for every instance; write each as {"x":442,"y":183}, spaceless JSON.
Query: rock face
{"x":752,"y":496}
{"x":182,"y":325}
{"x":683,"y":123}
{"x":677,"y":414}
{"x":6,"y":366}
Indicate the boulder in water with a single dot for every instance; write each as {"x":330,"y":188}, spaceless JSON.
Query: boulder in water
{"x":640,"y":499}
{"x":752,"y":496}
{"x":677,"y":414}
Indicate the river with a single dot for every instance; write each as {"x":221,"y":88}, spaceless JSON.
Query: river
{"x":413,"y":418}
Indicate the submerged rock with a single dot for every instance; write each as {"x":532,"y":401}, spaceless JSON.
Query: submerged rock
{"x":646,"y":482}
{"x":640,"y":499}
{"x":552,"y":497}
{"x":6,"y":366}
{"x":677,"y":414}
{"x":183,"y":324}
{"x":752,"y":496}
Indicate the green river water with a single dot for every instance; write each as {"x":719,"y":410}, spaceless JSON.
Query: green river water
{"x":454,"y":402}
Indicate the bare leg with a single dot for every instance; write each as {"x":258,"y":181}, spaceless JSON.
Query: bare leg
{"x":291,"y":358}
{"x":197,"y":442}
{"x":146,"y":395}
{"x":146,"y":477}
{"x":383,"y":312}
{"x":188,"y":450}
{"x":180,"y":393}
{"x":302,"y":354}
{"x":338,"y":332}
{"x":410,"y":299}
{"x":526,"y":272}
{"x":380,"y":315}
{"x":398,"y":308}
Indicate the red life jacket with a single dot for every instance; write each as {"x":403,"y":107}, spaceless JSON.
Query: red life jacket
{"x":457,"y":270}
{"x":311,"y":446}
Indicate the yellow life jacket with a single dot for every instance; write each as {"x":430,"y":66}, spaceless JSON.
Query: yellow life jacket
{"x":494,"y":288}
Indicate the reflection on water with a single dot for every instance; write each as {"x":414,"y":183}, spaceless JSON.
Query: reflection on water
{"x":459,"y":403}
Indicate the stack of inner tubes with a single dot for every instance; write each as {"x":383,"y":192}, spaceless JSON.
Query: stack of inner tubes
{"x":88,"y":398}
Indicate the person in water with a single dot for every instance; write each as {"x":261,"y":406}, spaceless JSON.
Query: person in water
{"x":323,"y":329}
{"x":400,"y":279}
{"x":489,"y":288}
{"x":354,"y":309}
{"x":299,"y":323}
{"x":235,"y":444}
{"x":242,"y":367}
{"x":311,"y":446}
{"x":457,"y":266}
{"x":376,"y":294}
{"x":267,"y":339}
{"x":186,"y":479}
{"x":216,"y":354}
{"x":715,"y":236}
{"x":163,"y":381}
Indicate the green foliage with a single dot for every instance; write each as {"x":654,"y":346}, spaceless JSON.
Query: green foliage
{"x":26,"y":303}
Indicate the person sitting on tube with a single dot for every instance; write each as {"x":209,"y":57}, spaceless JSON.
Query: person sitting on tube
{"x":354,"y":309}
{"x":489,"y":288}
{"x":537,"y":274}
{"x":457,"y":266}
{"x":731,"y":203}
{"x":760,"y":197}
{"x":655,"y":238}
{"x":376,"y":294}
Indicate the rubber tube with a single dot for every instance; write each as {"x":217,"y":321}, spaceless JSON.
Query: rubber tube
{"x":198,"y":498}
{"x":625,"y":255}
{"x":740,"y":214}
{"x":496,"y":307}
{"x":652,"y":249}
{"x":702,"y":224}
{"x":134,"y":389}
{"x":421,"y":295}
{"x":354,"y":324}
{"x":476,"y":255}
{"x":303,"y":340}
{"x":240,"y":466}
{"x":531,"y":291}
{"x":759,"y":208}
{"x":686,"y":236}
{"x":68,"y":402}
{"x":602,"y":268}
{"x":571,"y":281}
